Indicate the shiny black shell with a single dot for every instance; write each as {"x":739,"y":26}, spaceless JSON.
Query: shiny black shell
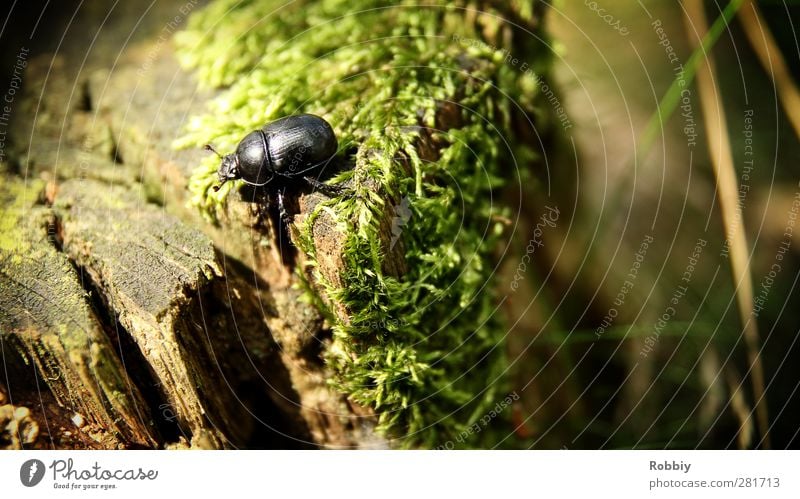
{"x":294,"y":146}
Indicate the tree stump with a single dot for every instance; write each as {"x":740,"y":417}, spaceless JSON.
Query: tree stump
{"x":149,"y":326}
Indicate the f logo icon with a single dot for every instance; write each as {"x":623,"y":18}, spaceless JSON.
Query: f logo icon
{"x":31,"y":472}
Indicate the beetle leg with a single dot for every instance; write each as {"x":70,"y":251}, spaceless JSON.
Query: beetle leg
{"x":282,"y":210}
{"x":328,"y":190}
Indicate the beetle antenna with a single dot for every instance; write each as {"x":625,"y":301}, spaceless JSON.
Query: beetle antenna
{"x":209,"y":147}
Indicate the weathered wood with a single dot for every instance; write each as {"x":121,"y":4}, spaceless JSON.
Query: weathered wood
{"x":46,"y":319}
{"x":157,"y":276}
{"x":149,"y":269}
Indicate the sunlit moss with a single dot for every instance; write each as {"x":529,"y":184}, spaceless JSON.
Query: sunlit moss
{"x":16,"y":199}
{"x":424,"y":350}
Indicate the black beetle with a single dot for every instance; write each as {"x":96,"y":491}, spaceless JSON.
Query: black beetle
{"x":281,"y":153}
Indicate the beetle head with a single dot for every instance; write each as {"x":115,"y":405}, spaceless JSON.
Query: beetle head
{"x":228,"y":169}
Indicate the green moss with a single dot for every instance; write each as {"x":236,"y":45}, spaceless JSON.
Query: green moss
{"x":424,"y":350}
{"x":16,"y":201}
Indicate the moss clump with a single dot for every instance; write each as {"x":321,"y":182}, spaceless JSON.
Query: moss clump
{"x":17,"y":199}
{"x":425,"y":349}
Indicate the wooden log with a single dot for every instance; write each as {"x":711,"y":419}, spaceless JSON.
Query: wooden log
{"x":47,"y":321}
{"x":162,"y":281}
